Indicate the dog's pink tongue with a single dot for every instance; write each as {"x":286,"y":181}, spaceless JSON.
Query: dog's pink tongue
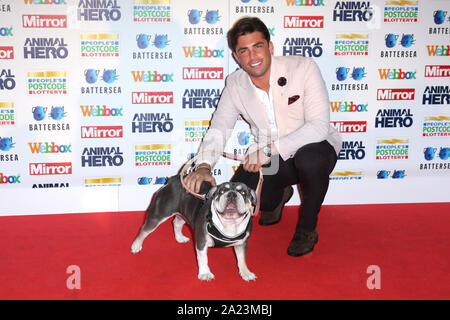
{"x":231,"y":207}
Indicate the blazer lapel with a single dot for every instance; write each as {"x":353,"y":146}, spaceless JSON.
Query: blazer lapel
{"x":252,"y":104}
{"x":280,"y":94}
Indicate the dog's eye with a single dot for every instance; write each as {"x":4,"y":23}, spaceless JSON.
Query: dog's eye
{"x":222,"y":191}
{"x":243,"y":193}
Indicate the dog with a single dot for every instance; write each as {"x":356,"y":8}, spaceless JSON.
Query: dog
{"x":224,"y":219}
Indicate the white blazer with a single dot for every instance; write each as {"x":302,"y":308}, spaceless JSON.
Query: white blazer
{"x":301,"y":107}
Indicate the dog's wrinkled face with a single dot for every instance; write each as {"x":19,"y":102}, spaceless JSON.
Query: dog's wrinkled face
{"x":232,"y":200}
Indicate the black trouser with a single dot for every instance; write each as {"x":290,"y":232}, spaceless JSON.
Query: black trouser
{"x":310,"y":168}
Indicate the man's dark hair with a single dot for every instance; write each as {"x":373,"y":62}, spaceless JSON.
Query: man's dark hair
{"x":245,"y":26}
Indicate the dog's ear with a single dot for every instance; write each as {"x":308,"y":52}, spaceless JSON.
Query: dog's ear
{"x":211,"y":192}
{"x":254,"y":197}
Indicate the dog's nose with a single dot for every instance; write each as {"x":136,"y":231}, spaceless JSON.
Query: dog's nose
{"x":231,"y":196}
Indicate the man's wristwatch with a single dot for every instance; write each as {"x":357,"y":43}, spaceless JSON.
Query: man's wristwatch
{"x":267,"y":151}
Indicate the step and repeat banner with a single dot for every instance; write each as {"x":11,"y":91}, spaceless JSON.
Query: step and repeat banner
{"x":102,"y":100}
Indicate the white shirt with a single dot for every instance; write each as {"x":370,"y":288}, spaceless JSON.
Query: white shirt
{"x":267,"y":101}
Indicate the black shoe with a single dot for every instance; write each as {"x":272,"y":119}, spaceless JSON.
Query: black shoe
{"x":303,"y":243}
{"x":272,"y":217}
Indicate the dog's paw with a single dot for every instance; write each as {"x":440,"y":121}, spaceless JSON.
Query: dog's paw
{"x":182,"y":239}
{"x":248,"y":275}
{"x":207,"y":276}
{"x":136,"y":247}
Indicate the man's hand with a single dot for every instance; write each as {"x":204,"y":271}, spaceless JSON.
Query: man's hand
{"x":255,"y":160}
{"x":194,"y":180}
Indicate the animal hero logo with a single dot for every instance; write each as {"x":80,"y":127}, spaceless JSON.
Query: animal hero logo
{"x":152,"y":122}
{"x":153,"y":155}
{"x":352,"y":11}
{"x":200,"y":98}
{"x":394,"y":118}
{"x":7,"y":114}
{"x":7,"y":81}
{"x":98,"y":10}
{"x":436,"y":95}
{"x":392,"y":149}
{"x":100,"y":45}
{"x":102,"y":157}
{"x":352,"y":150}
{"x":47,"y":82}
{"x":45,"y":48}
{"x":306,"y":47}
{"x":151,"y":11}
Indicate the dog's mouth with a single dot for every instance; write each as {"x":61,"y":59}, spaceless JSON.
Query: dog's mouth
{"x":231,"y":212}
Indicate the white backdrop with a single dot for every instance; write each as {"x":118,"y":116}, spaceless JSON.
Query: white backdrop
{"x":101,"y":100}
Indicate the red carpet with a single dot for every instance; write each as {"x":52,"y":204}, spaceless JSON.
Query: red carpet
{"x":410,"y":244}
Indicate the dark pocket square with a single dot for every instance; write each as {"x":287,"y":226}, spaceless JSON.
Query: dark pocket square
{"x":293,"y":99}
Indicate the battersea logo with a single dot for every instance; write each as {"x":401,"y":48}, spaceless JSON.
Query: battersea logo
{"x":160,"y":97}
{"x":52,"y":168}
{"x":352,"y":11}
{"x":200,"y":98}
{"x":436,"y":126}
{"x":401,"y":11}
{"x":437,"y":71}
{"x":93,"y":132}
{"x":352,"y":44}
{"x":303,"y":22}
{"x":45,"y":48}
{"x":152,"y":122}
{"x":392,"y":42}
{"x":98,"y":10}
{"x":152,"y":155}
{"x":100,"y":45}
{"x":44,"y":21}
{"x":202,"y":73}
{"x":306,"y":47}
{"x":352,"y":150}
{"x":151,"y":11}
{"x":350,"y":126}
{"x":436,"y":95}
{"x":102,"y":157}
{"x":396,"y":94}
{"x":202,"y":52}
{"x":357,"y":74}
{"x":439,"y":17}
{"x":47,"y":82}
{"x":49,"y":147}
{"x":195,"y":130}
{"x":108,"y":76}
{"x":6,"y":144}
{"x":199,"y":19}
{"x":7,"y":81}
{"x":56,"y":114}
{"x":392,"y":149}
{"x":396,"y":74}
{"x":348,"y":106}
{"x":397,"y":174}
{"x":151,"y":76}
{"x":101,"y":111}
{"x":393,"y":118}
{"x":6,"y":53}
{"x":145,"y":42}
{"x":7,"y":114}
